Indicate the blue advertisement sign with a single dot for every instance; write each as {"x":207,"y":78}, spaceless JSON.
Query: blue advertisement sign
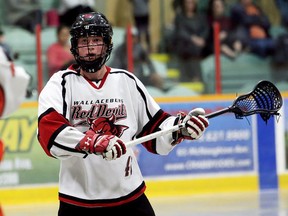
{"x":226,"y":146}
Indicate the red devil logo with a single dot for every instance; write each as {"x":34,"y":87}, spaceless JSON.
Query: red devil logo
{"x":107,"y":126}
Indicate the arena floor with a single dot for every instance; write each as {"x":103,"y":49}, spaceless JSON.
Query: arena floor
{"x":269,"y":203}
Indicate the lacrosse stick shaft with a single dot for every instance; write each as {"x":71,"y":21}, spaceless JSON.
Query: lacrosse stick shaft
{"x":217,"y":113}
{"x":171,"y":130}
{"x":154,"y":135}
{"x":161,"y":132}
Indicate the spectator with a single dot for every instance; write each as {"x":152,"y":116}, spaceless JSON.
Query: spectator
{"x":253,"y":27}
{"x":58,"y":53}
{"x":202,"y":5}
{"x":191,"y":32}
{"x":24,"y":13}
{"x":70,"y":9}
{"x":176,"y":6}
{"x":143,"y":66}
{"x":230,"y":44}
{"x":141,"y":18}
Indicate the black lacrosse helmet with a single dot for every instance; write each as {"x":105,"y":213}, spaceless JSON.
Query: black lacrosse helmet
{"x":91,"y":24}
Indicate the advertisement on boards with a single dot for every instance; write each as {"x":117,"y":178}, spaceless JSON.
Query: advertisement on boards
{"x":227,"y":146}
{"x":24,"y":160}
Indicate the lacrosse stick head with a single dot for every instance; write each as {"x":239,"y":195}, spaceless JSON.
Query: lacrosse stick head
{"x":265,"y":99}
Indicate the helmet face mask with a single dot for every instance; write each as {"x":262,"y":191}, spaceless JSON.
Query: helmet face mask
{"x":91,"y":48}
{"x":87,"y":26}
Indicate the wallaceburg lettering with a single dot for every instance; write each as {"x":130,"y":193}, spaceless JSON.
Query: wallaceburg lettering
{"x":99,"y":101}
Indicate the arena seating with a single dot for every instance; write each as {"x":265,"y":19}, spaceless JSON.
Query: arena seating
{"x":235,"y":74}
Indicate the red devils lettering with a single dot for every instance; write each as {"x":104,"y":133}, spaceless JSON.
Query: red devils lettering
{"x":98,"y":110}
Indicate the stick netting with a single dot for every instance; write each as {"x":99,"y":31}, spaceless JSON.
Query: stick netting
{"x":264,"y":99}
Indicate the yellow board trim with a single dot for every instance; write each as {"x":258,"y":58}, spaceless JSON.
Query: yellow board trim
{"x":201,"y":186}
{"x":31,"y":104}
{"x":155,"y":188}
{"x":283,"y":181}
{"x":15,"y":196}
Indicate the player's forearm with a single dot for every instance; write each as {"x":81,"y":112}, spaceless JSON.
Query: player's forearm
{"x":164,"y":143}
{"x":62,"y":142}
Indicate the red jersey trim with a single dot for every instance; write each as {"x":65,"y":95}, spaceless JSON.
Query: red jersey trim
{"x":103,"y":203}
{"x":50,"y":123}
{"x":151,"y":127}
{"x":108,"y":69}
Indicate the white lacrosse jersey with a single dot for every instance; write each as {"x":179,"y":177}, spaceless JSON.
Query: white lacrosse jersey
{"x":121,"y":105}
{"x":14,"y":81}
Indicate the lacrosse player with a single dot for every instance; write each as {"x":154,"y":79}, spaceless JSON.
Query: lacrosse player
{"x":14,"y":81}
{"x":86,"y":114}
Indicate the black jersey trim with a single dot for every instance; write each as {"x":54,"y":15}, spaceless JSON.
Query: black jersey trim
{"x":151,"y":127}
{"x":64,"y":90}
{"x":138,"y":88}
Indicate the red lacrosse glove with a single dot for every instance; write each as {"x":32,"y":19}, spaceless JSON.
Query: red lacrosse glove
{"x":109,"y":146}
{"x":195,"y":125}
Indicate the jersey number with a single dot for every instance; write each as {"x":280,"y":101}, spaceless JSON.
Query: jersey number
{"x":128,"y":168}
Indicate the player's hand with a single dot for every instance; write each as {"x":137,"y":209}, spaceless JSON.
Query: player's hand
{"x":195,"y":125}
{"x":109,"y":146}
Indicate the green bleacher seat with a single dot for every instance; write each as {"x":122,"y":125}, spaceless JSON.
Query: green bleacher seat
{"x":48,"y":36}
{"x":282,"y":86}
{"x":46,"y":5}
{"x":175,"y":91}
{"x":155,"y":92}
{"x":20,"y":40}
{"x":118,"y":36}
{"x":160,"y":67}
{"x":235,"y":73}
{"x":180,"y":91}
{"x":277,"y":30}
{"x":117,"y":39}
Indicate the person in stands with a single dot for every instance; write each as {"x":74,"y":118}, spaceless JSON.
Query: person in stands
{"x":58,"y":53}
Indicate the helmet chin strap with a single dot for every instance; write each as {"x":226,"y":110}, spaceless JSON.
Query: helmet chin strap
{"x":92,"y":66}
{"x":95,"y":65}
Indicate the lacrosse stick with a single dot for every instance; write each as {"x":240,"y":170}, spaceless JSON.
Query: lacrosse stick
{"x":265,"y":99}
